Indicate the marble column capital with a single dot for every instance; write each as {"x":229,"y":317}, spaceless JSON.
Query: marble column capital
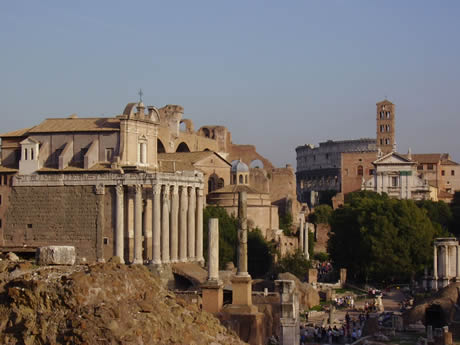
{"x":119,"y":189}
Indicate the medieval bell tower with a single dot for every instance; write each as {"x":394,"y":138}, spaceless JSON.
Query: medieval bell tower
{"x":386,"y":126}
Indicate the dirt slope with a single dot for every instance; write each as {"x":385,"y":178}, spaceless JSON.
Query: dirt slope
{"x":99,"y":304}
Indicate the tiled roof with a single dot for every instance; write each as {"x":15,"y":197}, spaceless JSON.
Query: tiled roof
{"x":99,"y":124}
{"x":426,"y":157}
{"x":17,"y":133}
{"x":97,"y":167}
{"x":448,"y":162}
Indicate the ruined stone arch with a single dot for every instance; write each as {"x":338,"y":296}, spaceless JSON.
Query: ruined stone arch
{"x":182,"y":147}
{"x":256,"y":163}
{"x":186,"y":125}
{"x":160,"y":147}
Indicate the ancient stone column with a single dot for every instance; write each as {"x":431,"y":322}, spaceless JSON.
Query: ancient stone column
{"x":199,"y":226}
{"x":242,"y":258}
{"x":165,"y":226}
{"x":130,"y":224}
{"x":147,"y":225}
{"x":138,"y":225}
{"x":183,"y":224}
{"x":174,"y":223}
{"x":119,"y":239}
{"x":212,"y":289}
{"x":305,"y":245}
{"x":446,"y":261}
{"x":435,"y":268}
{"x":156,"y":238}
{"x":100,"y":191}
{"x":191,"y":225}
{"x":213,"y":249}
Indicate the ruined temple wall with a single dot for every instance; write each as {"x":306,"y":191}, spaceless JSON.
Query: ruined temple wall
{"x":61,"y":215}
{"x":248,"y":153}
{"x":259,"y":180}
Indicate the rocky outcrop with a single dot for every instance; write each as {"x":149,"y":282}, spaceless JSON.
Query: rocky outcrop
{"x":308,"y":295}
{"x":99,"y":304}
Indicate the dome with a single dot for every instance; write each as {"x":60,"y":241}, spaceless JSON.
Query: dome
{"x":239,"y":166}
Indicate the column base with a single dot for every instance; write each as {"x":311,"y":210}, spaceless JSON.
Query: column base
{"x":155,"y":262}
{"x":138,"y":262}
{"x":241,"y":290}
{"x":212,"y":296}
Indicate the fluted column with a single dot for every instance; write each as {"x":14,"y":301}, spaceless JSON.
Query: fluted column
{"x":199,"y":226}
{"x":156,"y":238}
{"x":446,"y":260}
{"x":183,"y":224}
{"x":305,"y":243}
{"x":147,"y":225}
{"x":191,"y":224}
{"x":138,"y":225}
{"x":165,"y":226}
{"x":174,"y":223}
{"x":119,"y":239}
{"x":434,"y":285}
{"x":130,"y":225}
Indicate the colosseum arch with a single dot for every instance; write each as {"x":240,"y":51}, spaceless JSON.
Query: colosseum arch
{"x":182,"y":147}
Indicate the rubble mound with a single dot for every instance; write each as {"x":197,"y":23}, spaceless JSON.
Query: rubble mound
{"x":98,"y":304}
{"x":446,"y":298}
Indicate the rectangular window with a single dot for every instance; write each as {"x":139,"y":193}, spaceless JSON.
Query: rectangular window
{"x":109,"y":154}
{"x":443,"y":172}
{"x":371,"y":171}
{"x":0,"y":199}
{"x":394,"y":181}
{"x":452,"y":173}
{"x":420,"y":167}
{"x":430,"y":167}
{"x":0,"y":223}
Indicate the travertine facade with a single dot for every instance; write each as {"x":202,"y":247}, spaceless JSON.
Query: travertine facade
{"x":396,"y":176}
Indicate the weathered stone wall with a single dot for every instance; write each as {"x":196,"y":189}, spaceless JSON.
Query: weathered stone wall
{"x":66,"y":215}
{"x":322,"y":236}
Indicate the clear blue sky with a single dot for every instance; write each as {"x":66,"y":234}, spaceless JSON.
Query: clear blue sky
{"x":278,"y":74}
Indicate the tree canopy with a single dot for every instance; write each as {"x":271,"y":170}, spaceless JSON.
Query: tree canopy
{"x":377,"y":238}
{"x":321,"y":214}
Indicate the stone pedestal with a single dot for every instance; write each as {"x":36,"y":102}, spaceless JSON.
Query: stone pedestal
{"x":213,"y":296}
{"x":242,"y":290}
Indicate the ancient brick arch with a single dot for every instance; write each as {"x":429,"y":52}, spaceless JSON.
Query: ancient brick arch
{"x":182,"y":147}
{"x":248,"y":154}
{"x":160,"y":147}
{"x":189,"y":128}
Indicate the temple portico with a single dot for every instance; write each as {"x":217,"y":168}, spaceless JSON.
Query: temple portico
{"x":157,"y":217}
{"x":446,"y":262}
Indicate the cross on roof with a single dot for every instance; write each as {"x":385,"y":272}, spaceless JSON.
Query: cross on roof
{"x":140,"y":93}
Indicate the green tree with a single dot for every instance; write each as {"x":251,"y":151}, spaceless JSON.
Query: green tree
{"x":260,"y":254}
{"x":438,"y":212}
{"x":295,"y":263}
{"x":455,"y":209}
{"x":379,"y":238}
{"x":285,"y":223}
{"x":321,"y":214}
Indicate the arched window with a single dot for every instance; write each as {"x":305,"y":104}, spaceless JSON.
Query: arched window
{"x":234,"y":179}
{"x":241,"y":179}
{"x":388,"y":128}
{"x":210,"y":185}
{"x":220,"y":183}
{"x":246,"y":179}
{"x":360,"y":170}
{"x":388,"y":114}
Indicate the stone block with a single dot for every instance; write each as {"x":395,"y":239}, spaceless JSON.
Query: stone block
{"x":55,"y":255}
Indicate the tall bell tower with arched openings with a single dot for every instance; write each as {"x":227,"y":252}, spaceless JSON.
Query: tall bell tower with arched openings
{"x":386,"y":126}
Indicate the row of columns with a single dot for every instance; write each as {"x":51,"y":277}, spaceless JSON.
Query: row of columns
{"x":162,"y":228}
{"x":446,"y":263}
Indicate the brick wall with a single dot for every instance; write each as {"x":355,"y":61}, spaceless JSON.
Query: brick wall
{"x":65,"y":215}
